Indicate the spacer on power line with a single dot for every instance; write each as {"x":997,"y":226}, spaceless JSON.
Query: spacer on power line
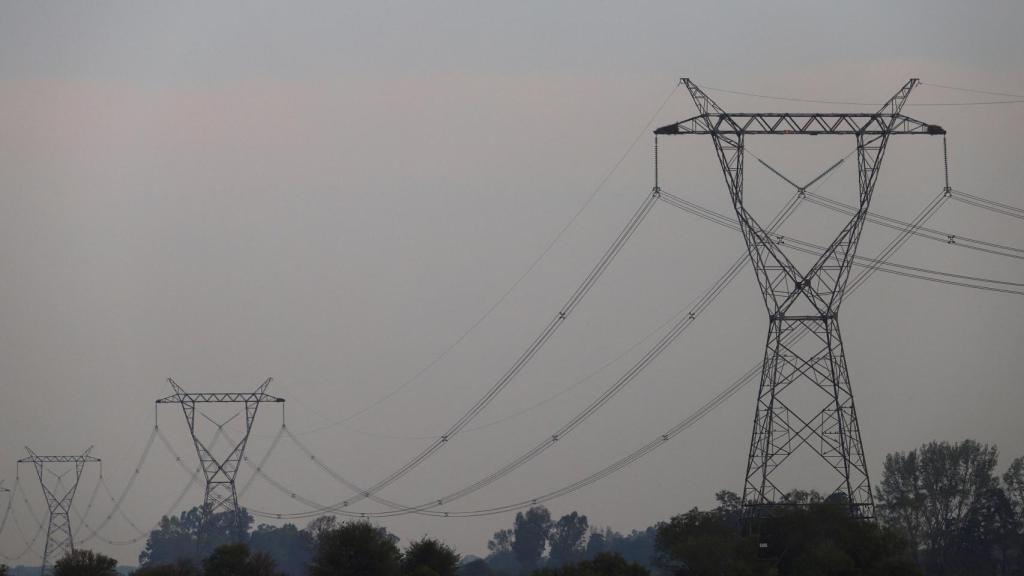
{"x":799,"y":302}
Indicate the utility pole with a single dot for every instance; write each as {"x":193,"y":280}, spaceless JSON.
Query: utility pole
{"x":220,"y":473}
{"x":815,"y":372}
{"x":59,"y":540}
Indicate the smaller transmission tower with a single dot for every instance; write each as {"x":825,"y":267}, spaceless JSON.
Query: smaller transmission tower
{"x":220,"y":473}
{"x":59,"y":540}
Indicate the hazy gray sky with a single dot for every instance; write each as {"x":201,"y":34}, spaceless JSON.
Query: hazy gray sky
{"x":332,"y":193}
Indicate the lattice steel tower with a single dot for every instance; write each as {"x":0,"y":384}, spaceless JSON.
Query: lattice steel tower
{"x":220,"y":473}
{"x":59,"y":540}
{"x":803,"y":302}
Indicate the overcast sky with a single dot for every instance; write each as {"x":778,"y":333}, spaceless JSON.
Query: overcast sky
{"x":333,"y":193}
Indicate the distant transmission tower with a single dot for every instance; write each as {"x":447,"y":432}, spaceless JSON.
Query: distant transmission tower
{"x":814,"y":373}
{"x":59,"y":540}
{"x":220,"y":473}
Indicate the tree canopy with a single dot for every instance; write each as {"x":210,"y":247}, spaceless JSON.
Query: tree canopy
{"x":356,"y":548}
{"x":85,"y":563}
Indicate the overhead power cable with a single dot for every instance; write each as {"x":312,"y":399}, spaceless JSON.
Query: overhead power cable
{"x":1015,"y":100}
{"x":523,"y":360}
{"x":695,"y":310}
{"x":930,"y":209}
{"x":117,"y":502}
{"x":986,"y":204}
{"x":529,"y":269}
{"x":924,"y":232}
{"x":888,"y":267}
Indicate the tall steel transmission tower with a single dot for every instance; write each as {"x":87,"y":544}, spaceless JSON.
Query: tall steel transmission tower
{"x":59,"y":540}
{"x":813,"y":373}
{"x":220,"y":473}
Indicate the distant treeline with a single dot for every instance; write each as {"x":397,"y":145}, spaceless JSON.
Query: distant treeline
{"x":943,"y":510}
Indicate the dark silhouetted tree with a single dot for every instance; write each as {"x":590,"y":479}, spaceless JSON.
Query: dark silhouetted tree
{"x":567,"y":539}
{"x":85,"y":563}
{"x":501,"y":541}
{"x":238,"y":560}
{"x":605,"y":564}
{"x":176,"y":537}
{"x":705,"y":544}
{"x":356,"y":548}
{"x":477,"y":567}
{"x":321,"y":525}
{"x":901,"y":498}
{"x":291,"y":548}
{"x":181,"y":568}
{"x":531,"y":536}
{"x":438,"y":557}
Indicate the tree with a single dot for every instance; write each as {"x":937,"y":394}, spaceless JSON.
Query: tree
{"x":3,"y":569}
{"x":291,"y":548}
{"x":1013,"y":479}
{"x":85,"y":563}
{"x":177,"y":537}
{"x":824,"y":539}
{"x":238,"y":560}
{"x":501,"y":541}
{"x":705,"y":543}
{"x":321,"y":525}
{"x":596,"y":544}
{"x":604,"y":564}
{"x":356,"y":548}
{"x":477,"y":567}
{"x":181,"y":568}
{"x":566,"y":539}
{"x":531,"y":536}
{"x":438,"y":557}
{"x":901,"y":497}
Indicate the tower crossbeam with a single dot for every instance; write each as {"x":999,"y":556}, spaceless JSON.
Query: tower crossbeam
{"x":220,"y":472}
{"x":803,"y":301}
{"x":59,"y":538}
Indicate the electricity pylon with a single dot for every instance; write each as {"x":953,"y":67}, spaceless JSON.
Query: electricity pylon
{"x":59,"y":540}
{"x":220,"y":473}
{"x":803,"y":302}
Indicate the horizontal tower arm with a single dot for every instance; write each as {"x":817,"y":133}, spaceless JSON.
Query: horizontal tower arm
{"x":811,"y":124}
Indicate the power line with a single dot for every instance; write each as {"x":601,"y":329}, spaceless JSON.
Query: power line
{"x":529,"y":269}
{"x":701,"y":304}
{"x":1017,"y":99}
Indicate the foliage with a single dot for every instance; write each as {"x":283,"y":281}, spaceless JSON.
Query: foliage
{"x":567,"y":539}
{"x":815,"y":537}
{"x":182,"y":567}
{"x":824,"y":539}
{"x":636,"y":547}
{"x":176,"y":537}
{"x":501,"y":541}
{"x":291,"y":548}
{"x":85,"y":563}
{"x":238,"y":560}
{"x":948,"y":502}
{"x":705,"y":543}
{"x":437,"y":557}
{"x":321,"y":525}
{"x":531,"y":536}
{"x":604,"y":564}
{"x":477,"y":567}
{"x":356,"y":548}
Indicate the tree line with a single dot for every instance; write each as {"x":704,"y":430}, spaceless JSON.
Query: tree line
{"x":943,"y":510}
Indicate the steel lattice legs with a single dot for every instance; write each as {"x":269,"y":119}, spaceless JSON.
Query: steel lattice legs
{"x":220,"y":472}
{"x":805,"y":401}
{"x":59,"y":539}
{"x":817,"y":363}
